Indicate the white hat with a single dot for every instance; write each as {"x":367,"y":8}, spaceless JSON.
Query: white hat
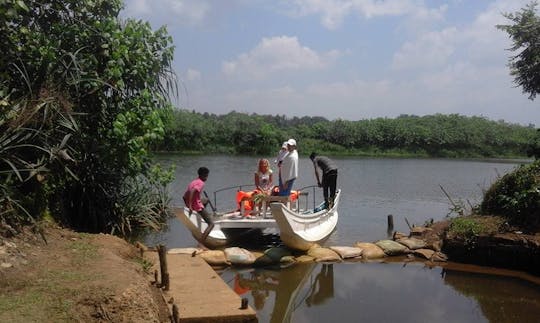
{"x":284,"y":145}
{"x":291,"y":142}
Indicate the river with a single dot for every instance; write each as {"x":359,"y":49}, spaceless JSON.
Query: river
{"x":372,"y":188}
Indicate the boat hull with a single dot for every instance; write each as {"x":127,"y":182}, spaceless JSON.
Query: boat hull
{"x":302,"y":231}
{"x":228,"y":229}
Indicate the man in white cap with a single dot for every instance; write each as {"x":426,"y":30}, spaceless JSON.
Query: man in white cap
{"x":282,"y":153}
{"x":289,"y":169}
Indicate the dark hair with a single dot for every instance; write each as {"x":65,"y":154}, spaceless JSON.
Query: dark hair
{"x":313,"y":155}
{"x":203,"y":171}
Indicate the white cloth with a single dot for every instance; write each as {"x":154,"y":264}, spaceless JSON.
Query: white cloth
{"x":289,"y":168}
{"x":282,"y":153}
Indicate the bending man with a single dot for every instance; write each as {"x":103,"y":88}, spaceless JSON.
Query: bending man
{"x":329,"y":177}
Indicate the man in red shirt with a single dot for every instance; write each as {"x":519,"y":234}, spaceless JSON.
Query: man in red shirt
{"x":192,"y":198}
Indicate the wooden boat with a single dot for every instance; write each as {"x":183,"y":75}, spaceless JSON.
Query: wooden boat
{"x":301,"y":230}
{"x":234,"y":226}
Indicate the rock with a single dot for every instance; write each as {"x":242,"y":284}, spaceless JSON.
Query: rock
{"x":412,"y":243}
{"x":424,"y":253}
{"x":370,"y":250}
{"x":214,"y":257}
{"x":347,"y":252}
{"x":323,"y":254}
{"x":239,"y":256}
{"x":439,"y":257}
{"x":418,"y":231}
{"x":6,"y":265}
{"x":277,"y":253}
{"x":287,"y":260}
{"x":304,"y":259}
{"x":391,"y":247}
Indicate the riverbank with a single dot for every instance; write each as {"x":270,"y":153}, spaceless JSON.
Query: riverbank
{"x":57,"y":275}
{"x":62,"y":275}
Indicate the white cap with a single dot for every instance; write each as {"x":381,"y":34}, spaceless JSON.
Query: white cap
{"x":291,"y":142}
{"x":284,"y":145}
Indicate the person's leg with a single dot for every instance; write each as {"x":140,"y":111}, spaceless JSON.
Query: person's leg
{"x":332,"y":184}
{"x":325,"y":189}
{"x":208,"y":219}
{"x":286,"y":191}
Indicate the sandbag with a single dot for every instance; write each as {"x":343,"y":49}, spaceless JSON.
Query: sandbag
{"x":346,"y":252}
{"x":323,"y":254}
{"x":391,"y":247}
{"x":370,"y":250}
{"x":412,"y":243}
{"x":184,"y":251}
{"x":239,"y":256}
{"x":214,"y":257}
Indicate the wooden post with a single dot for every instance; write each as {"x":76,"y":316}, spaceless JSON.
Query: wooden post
{"x":390,"y":222}
{"x":175,"y":314}
{"x":162,"y":251}
{"x":244,"y":304}
{"x":390,"y":227}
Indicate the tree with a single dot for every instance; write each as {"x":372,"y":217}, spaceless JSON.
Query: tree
{"x":114,"y":77}
{"x":525,"y":35}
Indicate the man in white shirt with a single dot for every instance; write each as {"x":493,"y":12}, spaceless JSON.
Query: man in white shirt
{"x":289,"y":169}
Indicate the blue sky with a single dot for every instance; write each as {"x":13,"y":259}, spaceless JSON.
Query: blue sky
{"x":342,"y":59}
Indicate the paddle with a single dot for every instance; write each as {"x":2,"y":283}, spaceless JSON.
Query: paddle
{"x":210,"y":202}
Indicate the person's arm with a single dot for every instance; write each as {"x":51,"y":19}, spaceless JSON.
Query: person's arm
{"x":271,"y":180}
{"x":317,"y":174}
{"x":257,"y":184}
{"x":190,"y":201}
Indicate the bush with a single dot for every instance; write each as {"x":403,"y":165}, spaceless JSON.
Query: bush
{"x":516,"y":196}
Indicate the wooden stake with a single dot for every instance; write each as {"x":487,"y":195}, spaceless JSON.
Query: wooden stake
{"x":244,"y":304}
{"x":175,"y":314}
{"x":162,"y":251}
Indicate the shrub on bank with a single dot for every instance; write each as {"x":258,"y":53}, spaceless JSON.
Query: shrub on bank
{"x":516,"y":196}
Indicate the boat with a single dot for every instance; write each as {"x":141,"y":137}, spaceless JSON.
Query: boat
{"x":302,"y":230}
{"x":298,"y":224}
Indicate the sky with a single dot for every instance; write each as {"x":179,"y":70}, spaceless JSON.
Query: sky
{"x":342,"y":59}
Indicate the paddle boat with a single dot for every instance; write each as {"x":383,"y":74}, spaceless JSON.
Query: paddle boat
{"x":299,"y":224}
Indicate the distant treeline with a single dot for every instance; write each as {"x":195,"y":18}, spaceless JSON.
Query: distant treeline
{"x":407,"y":135}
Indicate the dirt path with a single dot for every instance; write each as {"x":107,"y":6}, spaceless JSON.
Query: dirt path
{"x":75,"y":277}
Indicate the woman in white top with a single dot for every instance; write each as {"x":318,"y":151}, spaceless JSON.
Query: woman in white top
{"x":263,"y":177}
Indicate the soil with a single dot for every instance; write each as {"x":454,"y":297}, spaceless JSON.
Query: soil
{"x":57,"y":275}
{"x":504,"y":247}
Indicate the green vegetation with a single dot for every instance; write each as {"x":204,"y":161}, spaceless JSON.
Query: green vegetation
{"x":428,"y":136}
{"x":83,"y":95}
{"x":516,"y":196}
{"x":524,"y":33}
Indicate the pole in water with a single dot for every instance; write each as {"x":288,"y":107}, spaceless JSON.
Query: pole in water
{"x":390,"y":221}
{"x":390,"y":227}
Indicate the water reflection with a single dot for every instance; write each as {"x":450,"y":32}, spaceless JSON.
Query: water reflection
{"x":286,"y":289}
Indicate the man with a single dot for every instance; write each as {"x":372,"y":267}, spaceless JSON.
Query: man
{"x":192,"y":199}
{"x":329,"y":177}
{"x":289,"y":169}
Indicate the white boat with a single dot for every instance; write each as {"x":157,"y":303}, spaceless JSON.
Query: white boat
{"x":298,"y":225}
{"x":301,"y":230}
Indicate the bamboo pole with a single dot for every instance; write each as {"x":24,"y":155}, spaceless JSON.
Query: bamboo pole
{"x":162,"y":251}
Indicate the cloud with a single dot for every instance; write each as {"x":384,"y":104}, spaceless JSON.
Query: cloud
{"x":169,"y":12}
{"x":277,"y":54}
{"x":193,"y":75}
{"x":334,"y":12}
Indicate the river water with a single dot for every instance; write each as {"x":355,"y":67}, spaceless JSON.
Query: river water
{"x":372,"y":188}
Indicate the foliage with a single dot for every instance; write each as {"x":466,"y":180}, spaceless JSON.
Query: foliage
{"x":115,"y":77}
{"x":525,"y":35}
{"x":433,"y":135}
{"x":516,"y":196}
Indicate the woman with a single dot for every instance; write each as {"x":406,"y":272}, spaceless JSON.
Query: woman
{"x":263,"y":177}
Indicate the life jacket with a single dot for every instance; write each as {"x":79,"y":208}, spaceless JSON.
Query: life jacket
{"x":247,"y":198}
